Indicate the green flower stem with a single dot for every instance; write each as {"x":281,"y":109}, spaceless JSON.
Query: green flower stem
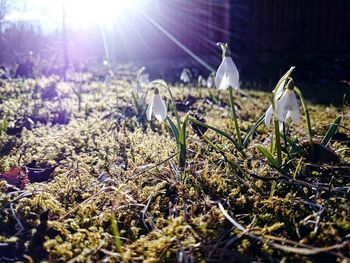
{"x":179,"y":130}
{"x":306,"y":110}
{"x":117,"y":242}
{"x":181,"y":142}
{"x":234,"y":117}
{"x":277,"y":132}
{"x":175,"y":110}
{"x":278,"y":142}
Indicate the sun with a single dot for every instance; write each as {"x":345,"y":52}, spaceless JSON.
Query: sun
{"x":82,"y":13}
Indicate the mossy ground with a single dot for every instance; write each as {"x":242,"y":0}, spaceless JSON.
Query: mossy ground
{"x":110,"y":160}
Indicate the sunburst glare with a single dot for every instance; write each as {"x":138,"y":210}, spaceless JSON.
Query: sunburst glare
{"x":83,"y":13}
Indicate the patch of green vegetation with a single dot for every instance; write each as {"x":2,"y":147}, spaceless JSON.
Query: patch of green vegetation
{"x":112,"y":161}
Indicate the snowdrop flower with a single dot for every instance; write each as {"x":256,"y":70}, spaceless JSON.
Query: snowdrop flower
{"x":288,"y":107}
{"x":185,"y":76}
{"x":268,"y":116}
{"x":269,"y":112}
{"x":202,"y":82}
{"x":210,"y":81}
{"x":279,"y":92}
{"x":157,"y":107}
{"x":138,"y":87}
{"x":227,"y":73}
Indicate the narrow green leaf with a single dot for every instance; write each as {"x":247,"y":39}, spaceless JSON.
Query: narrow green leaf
{"x":174,"y":130}
{"x":285,"y":76}
{"x":252,"y":130}
{"x":4,"y":124}
{"x":212,"y":97}
{"x":331,"y":131}
{"x":220,"y":132}
{"x":182,"y":144}
{"x":117,"y":242}
{"x":135,"y":100}
{"x":268,"y":155}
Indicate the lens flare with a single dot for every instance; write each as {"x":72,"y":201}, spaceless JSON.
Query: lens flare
{"x":83,"y":13}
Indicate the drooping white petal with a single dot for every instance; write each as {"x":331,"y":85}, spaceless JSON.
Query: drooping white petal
{"x":225,"y":83}
{"x":282,"y":107}
{"x":210,"y":81}
{"x":268,"y":116}
{"x":295,"y":116}
{"x":280,"y":126}
{"x":149,"y":110}
{"x":227,"y":75}
{"x":199,"y":81}
{"x":232,"y":71}
{"x":219,"y":75}
{"x":159,"y":108}
{"x":288,"y":115}
{"x":184,"y":76}
{"x":287,"y":106}
{"x":294,"y":107}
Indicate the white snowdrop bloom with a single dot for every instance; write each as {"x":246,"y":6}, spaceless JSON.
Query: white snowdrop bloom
{"x":185,"y":77}
{"x":278,"y":93}
{"x":268,"y":116}
{"x":269,"y":112}
{"x":288,"y":107}
{"x":202,"y":82}
{"x":138,"y":87}
{"x":157,"y":107}
{"x":227,"y":75}
{"x":210,"y":81}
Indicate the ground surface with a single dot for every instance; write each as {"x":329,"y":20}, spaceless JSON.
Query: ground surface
{"x":67,"y":166}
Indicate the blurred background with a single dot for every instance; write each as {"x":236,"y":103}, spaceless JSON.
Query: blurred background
{"x":266,"y":37}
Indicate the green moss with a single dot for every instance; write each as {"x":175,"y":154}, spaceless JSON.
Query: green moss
{"x":159,"y":216}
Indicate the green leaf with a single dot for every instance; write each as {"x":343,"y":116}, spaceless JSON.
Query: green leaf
{"x":218,"y":131}
{"x":296,"y":148}
{"x":285,"y":76}
{"x":182,"y":144}
{"x":115,"y":230}
{"x":331,"y":131}
{"x":268,"y":155}
{"x":252,"y":130}
{"x":4,"y":124}
{"x":135,"y":100}
{"x":174,"y":130}
{"x":212,"y":97}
